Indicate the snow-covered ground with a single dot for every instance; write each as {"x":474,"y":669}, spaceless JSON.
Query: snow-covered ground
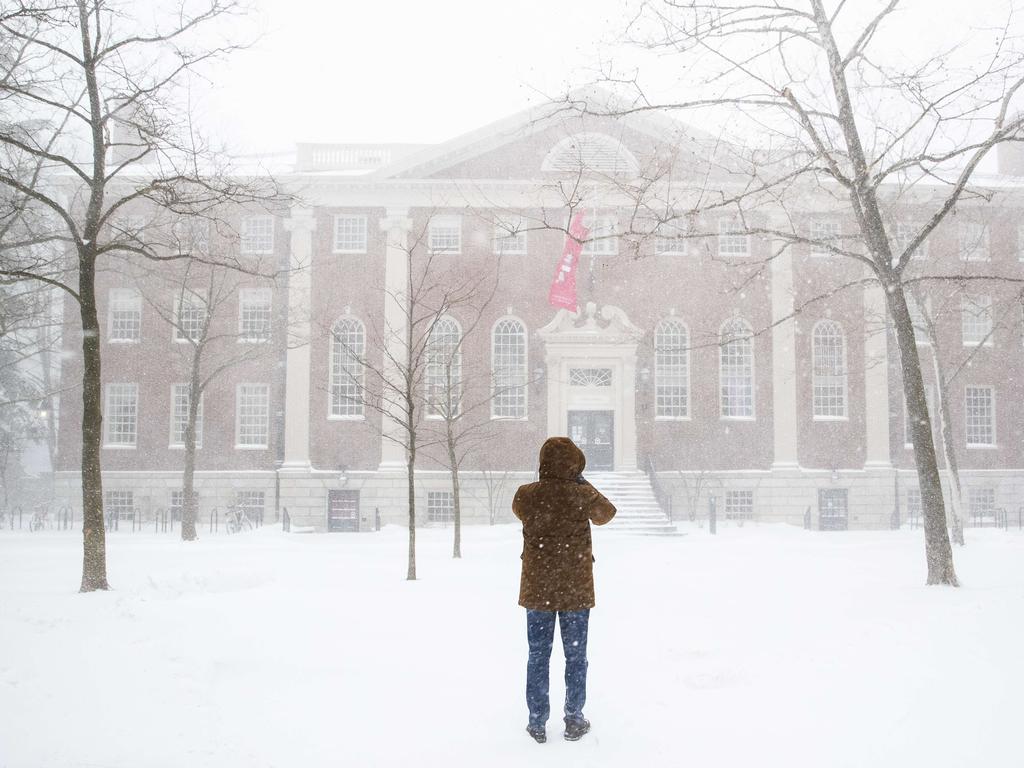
{"x":763,"y":646}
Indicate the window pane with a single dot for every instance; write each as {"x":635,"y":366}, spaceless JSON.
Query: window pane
{"x":121,"y":414}
{"x":829,"y":374}
{"x":509,"y":370}
{"x":348,"y":345}
{"x":736,"y":358}
{"x":671,"y":370}
{"x":253,"y":412}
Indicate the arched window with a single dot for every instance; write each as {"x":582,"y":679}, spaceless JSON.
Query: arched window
{"x":671,"y":370}
{"x":348,"y":345}
{"x":444,"y":369}
{"x":828,"y":348}
{"x":736,"y":370}
{"x":509,"y":375}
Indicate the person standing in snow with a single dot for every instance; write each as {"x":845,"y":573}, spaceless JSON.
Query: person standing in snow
{"x":558,"y":578}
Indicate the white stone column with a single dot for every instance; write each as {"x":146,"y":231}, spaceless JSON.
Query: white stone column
{"x":396,"y":225}
{"x":876,"y":379}
{"x":301,"y":225}
{"x":784,"y":373}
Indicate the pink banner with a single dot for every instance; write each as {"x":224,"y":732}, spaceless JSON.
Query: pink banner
{"x":563,"y":287}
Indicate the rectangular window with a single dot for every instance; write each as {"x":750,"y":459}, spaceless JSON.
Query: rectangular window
{"x":981,"y":504}
{"x":349,"y":234}
{"x":602,"y":236}
{"x":189,"y":317}
{"x":899,"y":239}
{"x":445,"y":234}
{"x":824,"y":232}
{"x":254,"y":318}
{"x":179,"y":416}
{"x":510,"y":237}
{"x":258,"y":234}
{"x":119,"y":504}
{"x":980,"y":417}
{"x":973,"y":241}
{"x":251,"y":503}
{"x":192,"y":235}
{"x":440,"y":507}
{"x":670,"y":240}
{"x":124,"y":315}
{"x":732,"y":238}
{"x":739,"y":505}
{"x":177,"y":505}
{"x":121,"y":416}
{"x":252,"y":416}
{"x":976,"y":319}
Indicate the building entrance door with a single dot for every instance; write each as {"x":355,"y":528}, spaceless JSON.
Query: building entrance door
{"x":832,"y":509}
{"x":342,"y":511}
{"x":593,"y":432}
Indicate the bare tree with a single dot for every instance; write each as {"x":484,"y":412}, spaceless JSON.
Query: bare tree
{"x":816,"y":112}
{"x":394,"y":384}
{"x":222,"y":318}
{"x":104,"y":93}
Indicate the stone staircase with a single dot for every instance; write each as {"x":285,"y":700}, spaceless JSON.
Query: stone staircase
{"x":633,"y":497}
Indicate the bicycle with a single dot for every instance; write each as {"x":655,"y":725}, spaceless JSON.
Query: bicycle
{"x":236,"y":520}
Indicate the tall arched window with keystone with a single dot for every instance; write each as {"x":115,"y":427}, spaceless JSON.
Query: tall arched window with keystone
{"x":671,"y":370}
{"x":736,"y":370}
{"x":508,"y":370}
{"x":444,"y":369}
{"x":348,"y":345}
{"x":828,"y":361}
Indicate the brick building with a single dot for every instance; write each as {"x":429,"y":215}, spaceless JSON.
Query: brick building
{"x":684,"y":369}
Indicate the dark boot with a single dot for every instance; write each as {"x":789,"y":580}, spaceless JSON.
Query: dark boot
{"x":574,"y":729}
{"x":537,"y":732}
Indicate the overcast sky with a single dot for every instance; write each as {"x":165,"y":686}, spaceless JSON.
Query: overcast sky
{"x":381,"y":71}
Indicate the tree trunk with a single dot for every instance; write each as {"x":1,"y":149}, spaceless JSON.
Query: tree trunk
{"x":188,"y":502}
{"x":949,"y":449}
{"x":411,"y":475}
{"x":454,"y":464}
{"x":938,"y":552}
{"x":94,"y":550}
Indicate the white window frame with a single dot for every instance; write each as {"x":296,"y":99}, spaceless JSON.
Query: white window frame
{"x":111,"y":410}
{"x":248,"y":298}
{"x":431,"y":370}
{"x":193,"y":232}
{"x":354,"y":241}
{"x":179,"y":418}
{"x":826,"y":386}
{"x":339,"y":380}
{"x":507,"y":244}
{"x":433,"y":497}
{"x":510,"y":377}
{"x":900,"y":238}
{"x":257,"y":235}
{"x":678,"y":375}
{"x":733,"y":240}
{"x":973,"y":241}
{"x":124,"y":300}
{"x":239,"y":445}
{"x":824,"y":229}
{"x":114,"y":501}
{"x":605,"y":227}
{"x":450,"y":223}
{"x":748,"y":338}
{"x":194,"y":302}
{"x":670,"y":239}
{"x":739,"y":504}
{"x":991,"y":417}
{"x":973,"y":311}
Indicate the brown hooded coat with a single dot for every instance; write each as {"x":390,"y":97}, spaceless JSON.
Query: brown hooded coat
{"x":558,"y":558}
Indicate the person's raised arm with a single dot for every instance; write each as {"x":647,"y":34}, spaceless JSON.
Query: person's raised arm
{"x":600,"y":510}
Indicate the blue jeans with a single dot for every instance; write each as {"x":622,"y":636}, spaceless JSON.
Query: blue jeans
{"x":540,"y":632}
